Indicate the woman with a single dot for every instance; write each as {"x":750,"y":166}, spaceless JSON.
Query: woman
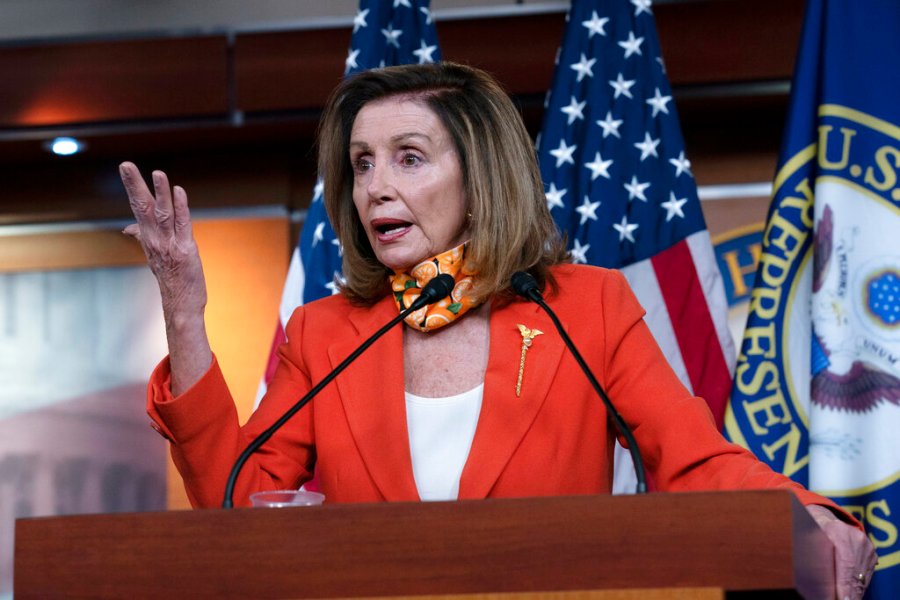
{"x":429,"y":169}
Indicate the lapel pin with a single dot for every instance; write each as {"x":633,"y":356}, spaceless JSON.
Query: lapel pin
{"x":528,"y":336}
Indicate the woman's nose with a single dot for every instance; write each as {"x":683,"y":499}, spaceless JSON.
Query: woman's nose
{"x":381,"y":183}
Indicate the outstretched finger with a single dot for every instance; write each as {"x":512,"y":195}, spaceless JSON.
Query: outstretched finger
{"x":142,"y":202}
{"x":133,"y":230}
{"x":183,"y":228}
{"x":163,"y":208}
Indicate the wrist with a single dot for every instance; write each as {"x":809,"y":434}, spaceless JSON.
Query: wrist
{"x":184,"y":320}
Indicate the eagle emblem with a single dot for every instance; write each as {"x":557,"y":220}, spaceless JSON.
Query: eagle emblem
{"x":849,"y":384}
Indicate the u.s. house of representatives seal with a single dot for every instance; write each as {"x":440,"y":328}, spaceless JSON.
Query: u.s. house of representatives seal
{"x":818,"y":379}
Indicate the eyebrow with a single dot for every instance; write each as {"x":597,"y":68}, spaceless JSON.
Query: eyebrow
{"x":396,"y":139}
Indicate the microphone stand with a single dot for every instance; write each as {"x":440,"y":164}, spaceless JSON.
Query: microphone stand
{"x":435,"y":290}
{"x":526,"y":286}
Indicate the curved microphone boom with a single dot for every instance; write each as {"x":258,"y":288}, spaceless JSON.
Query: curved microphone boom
{"x":436,"y":289}
{"x":525,"y":285}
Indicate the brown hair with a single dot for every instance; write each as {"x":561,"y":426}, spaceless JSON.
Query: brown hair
{"x":510,"y":225}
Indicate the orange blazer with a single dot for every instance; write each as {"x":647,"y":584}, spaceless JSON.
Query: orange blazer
{"x":554,"y":439}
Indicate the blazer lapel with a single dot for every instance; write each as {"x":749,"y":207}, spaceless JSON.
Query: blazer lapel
{"x":505,"y":418}
{"x":371,"y":390}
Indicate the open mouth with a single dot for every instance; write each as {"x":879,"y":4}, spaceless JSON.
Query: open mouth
{"x":390,"y":228}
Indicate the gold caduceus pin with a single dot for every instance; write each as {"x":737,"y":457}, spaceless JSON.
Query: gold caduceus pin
{"x":527,"y":336}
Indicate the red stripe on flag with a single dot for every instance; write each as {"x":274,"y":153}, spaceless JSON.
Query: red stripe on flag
{"x":695,"y":331}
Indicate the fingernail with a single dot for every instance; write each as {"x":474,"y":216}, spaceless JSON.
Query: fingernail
{"x":156,"y":178}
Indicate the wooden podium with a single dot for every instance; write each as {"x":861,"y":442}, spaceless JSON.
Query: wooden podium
{"x":738,"y":543}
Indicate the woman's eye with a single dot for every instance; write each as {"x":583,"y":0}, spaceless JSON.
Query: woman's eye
{"x":410,"y":160}
{"x":361,"y":165}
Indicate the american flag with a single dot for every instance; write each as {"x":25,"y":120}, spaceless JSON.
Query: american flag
{"x":385,"y":33}
{"x":619,"y":185}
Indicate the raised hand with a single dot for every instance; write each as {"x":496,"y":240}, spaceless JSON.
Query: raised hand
{"x":164,"y":231}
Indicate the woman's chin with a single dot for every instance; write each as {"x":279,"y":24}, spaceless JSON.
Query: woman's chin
{"x":398,"y":259}
{"x":395,"y":264}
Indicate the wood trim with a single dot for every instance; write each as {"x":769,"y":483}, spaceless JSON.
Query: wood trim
{"x":59,"y":84}
{"x":705,"y":593}
{"x":68,"y":250}
{"x":171,"y":78}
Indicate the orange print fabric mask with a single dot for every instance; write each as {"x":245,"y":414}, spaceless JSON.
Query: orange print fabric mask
{"x":407,"y":286}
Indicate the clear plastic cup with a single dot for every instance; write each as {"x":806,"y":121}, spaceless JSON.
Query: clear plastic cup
{"x":283,"y":498}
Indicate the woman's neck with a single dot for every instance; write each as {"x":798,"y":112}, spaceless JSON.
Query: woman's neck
{"x":450,"y":360}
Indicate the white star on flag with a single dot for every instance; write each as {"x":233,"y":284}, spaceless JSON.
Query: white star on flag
{"x":595,"y":25}
{"x":632,"y":45}
{"x":579,"y":252}
{"x":682,"y":164}
{"x":360,"y":20}
{"x":673,"y":206}
{"x":587,"y":210}
{"x":647,"y":147}
{"x":622,"y":86}
{"x":427,"y":14}
{"x":554,"y":197}
{"x":658,"y":102}
{"x":610,"y":126}
{"x":625,"y":229}
{"x":402,"y":3}
{"x":318,"y":189}
{"x":391,"y":36}
{"x":350,"y":63}
{"x":424,"y":53}
{"x":563,"y":154}
{"x":318,"y":234}
{"x":642,"y":6}
{"x":332,"y":285}
{"x":636,"y":189}
{"x":574,"y":110}
{"x":583,"y":67}
{"x":599,"y":167}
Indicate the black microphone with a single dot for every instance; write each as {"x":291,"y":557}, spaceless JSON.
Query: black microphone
{"x":525,"y":285}
{"x":436,"y":289}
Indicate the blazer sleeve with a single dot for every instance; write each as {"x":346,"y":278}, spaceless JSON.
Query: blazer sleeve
{"x":206,"y":437}
{"x":681,"y":446}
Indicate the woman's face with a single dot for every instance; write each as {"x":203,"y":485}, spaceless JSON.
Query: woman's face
{"x":407,"y":183}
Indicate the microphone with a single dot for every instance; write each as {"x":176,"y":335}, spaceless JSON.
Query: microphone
{"x":436,"y":289}
{"x":524,"y":285}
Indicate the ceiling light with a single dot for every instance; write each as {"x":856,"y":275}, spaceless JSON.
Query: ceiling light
{"x":65,"y":146}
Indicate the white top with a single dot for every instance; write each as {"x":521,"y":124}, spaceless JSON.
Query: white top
{"x":440,"y":436}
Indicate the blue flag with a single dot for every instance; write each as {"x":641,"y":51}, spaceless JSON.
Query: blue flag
{"x":620,"y":187}
{"x":385,"y":33}
{"x":817,"y":386}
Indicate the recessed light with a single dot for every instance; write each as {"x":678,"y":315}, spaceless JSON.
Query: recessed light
{"x":65,"y":146}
